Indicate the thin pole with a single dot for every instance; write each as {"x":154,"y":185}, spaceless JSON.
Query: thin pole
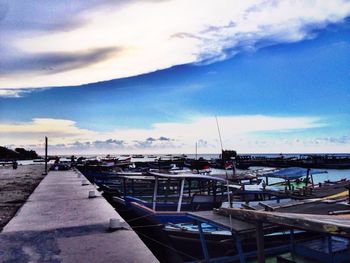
{"x":203,"y":242}
{"x":217,"y":125}
{"x":239,"y":247}
{"x":46,"y":142}
{"x":181,"y":194}
{"x":155,"y":192}
{"x":196,"y":150}
{"x":227,"y":183}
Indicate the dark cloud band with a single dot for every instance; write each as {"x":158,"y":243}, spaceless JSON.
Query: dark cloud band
{"x":50,"y":63}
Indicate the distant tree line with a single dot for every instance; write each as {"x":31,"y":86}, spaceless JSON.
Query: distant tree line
{"x":17,"y":154}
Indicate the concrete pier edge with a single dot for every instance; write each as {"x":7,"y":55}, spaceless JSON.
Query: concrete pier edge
{"x":60,"y":223}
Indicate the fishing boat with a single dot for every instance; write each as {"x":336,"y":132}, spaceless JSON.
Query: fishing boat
{"x":173,"y":195}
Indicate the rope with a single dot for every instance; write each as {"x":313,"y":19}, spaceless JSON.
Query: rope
{"x":136,"y":218}
{"x":177,"y":251}
{"x":147,"y":226}
{"x":169,"y":247}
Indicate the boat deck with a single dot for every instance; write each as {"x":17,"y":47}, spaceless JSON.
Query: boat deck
{"x":221,"y":221}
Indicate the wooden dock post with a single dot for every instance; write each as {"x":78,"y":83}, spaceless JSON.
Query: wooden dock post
{"x":260,"y":242}
{"x":292,"y":242}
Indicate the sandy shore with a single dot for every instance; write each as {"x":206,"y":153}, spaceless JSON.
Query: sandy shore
{"x":15,"y":188}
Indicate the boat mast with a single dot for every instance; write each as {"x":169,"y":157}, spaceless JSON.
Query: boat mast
{"x":222,"y":148}
{"x":217,"y":125}
{"x":196,"y":149}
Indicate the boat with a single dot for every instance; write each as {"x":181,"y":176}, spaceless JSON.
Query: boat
{"x":197,"y":164}
{"x":138,"y":156}
{"x":173,"y":195}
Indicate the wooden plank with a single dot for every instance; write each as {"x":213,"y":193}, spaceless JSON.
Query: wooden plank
{"x":296,"y":203}
{"x":246,"y":206}
{"x":324,"y":224}
{"x":339,"y":212}
{"x":266,"y":206}
{"x":332,"y":201}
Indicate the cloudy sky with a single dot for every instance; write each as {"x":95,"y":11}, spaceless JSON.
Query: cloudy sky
{"x":149,"y":76}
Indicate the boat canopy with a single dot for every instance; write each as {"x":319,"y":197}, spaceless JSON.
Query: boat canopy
{"x":292,"y":173}
{"x":187,"y":176}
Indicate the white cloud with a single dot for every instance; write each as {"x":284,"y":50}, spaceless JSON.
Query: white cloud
{"x":13,"y":93}
{"x":33,"y":132}
{"x":291,"y":144}
{"x":118,"y":39}
{"x":243,"y":133}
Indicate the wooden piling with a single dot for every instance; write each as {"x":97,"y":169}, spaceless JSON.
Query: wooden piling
{"x":260,"y":242}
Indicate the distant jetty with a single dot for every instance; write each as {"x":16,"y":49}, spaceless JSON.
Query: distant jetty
{"x":322,"y":161}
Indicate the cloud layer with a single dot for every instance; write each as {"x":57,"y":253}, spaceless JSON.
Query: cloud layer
{"x":249,"y":133}
{"x":91,"y":41}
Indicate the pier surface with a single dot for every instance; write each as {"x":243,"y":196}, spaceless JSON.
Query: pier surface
{"x":59,"y":223}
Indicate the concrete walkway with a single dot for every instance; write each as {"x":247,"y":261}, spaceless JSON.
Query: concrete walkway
{"x":59,"y":223}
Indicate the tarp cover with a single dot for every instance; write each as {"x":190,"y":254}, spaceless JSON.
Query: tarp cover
{"x":292,"y":173}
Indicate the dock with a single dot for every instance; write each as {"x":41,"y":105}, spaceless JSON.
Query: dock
{"x":328,"y":240}
{"x":60,"y":223}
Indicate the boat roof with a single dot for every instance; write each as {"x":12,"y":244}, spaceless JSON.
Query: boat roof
{"x":187,"y":176}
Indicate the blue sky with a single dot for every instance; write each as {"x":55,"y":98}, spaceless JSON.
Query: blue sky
{"x":286,"y":91}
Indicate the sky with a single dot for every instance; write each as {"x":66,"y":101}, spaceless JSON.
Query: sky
{"x":152,"y":76}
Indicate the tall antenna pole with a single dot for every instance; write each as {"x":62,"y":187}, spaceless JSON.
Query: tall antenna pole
{"x":222,"y":148}
{"x":217,"y":125}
